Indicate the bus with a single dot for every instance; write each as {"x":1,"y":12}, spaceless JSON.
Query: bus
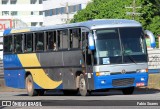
{"x":76,"y":58}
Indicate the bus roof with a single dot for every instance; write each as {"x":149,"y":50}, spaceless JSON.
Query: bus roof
{"x":91,"y":24}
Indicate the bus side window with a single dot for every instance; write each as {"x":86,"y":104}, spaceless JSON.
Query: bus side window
{"x":8,"y":45}
{"x":39,"y":41}
{"x":63,"y":39}
{"x":75,"y":38}
{"x":28,"y":42}
{"x":51,"y":40}
{"x":18,"y":43}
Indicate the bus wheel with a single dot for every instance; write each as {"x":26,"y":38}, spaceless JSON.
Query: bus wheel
{"x":128,"y":91}
{"x":30,"y":86}
{"x":82,"y":85}
{"x":70,"y":92}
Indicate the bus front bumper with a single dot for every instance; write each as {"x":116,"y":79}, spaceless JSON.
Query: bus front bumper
{"x":120,"y":81}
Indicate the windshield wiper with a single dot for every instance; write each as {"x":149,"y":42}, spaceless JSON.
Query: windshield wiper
{"x":128,"y":55}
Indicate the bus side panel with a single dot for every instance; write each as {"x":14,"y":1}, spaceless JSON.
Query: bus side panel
{"x":14,"y":78}
{"x":11,"y":61}
{"x":62,"y":66}
{"x":72,"y":60}
{"x":41,"y":73}
{"x":13,"y":75}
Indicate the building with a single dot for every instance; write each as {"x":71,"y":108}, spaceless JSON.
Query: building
{"x":30,"y":12}
{"x":37,"y":13}
{"x":61,"y":11}
{"x":22,"y":13}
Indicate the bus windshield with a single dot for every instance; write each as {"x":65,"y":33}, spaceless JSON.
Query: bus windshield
{"x":120,"y":45}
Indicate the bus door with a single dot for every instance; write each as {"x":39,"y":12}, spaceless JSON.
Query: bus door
{"x":88,"y":61}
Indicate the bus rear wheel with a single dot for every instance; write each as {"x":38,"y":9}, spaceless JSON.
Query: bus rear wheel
{"x":128,"y":91}
{"x":30,"y":86}
{"x":82,"y":86}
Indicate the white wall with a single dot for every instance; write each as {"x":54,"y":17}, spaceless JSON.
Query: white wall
{"x":23,"y":8}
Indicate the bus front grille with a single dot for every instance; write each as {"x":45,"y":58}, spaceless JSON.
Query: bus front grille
{"x":123,"y":82}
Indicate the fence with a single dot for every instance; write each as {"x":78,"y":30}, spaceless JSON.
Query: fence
{"x":154,"y":60}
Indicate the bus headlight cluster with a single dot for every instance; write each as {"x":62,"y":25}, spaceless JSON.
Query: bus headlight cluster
{"x":102,"y":73}
{"x":142,"y":70}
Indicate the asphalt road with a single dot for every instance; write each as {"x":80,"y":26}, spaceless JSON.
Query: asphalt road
{"x":97,"y":100}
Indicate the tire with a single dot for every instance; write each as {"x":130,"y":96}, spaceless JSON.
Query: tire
{"x":30,"y":86}
{"x":82,"y":86}
{"x":128,"y":91}
{"x":70,"y":92}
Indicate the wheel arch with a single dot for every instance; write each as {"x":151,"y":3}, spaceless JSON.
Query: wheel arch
{"x":27,"y":73}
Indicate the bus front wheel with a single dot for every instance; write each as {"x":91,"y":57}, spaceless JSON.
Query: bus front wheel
{"x":128,"y":91}
{"x":82,"y":85}
{"x":30,"y":86}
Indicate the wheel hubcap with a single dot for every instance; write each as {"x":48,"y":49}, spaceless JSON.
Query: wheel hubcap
{"x":82,"y":84}
{"x":29,"y":85}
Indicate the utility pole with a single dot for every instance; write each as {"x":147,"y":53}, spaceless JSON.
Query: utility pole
{"x":133,"y":7}
{"x":67,"y":12}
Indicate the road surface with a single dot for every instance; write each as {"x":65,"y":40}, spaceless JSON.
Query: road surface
{"x":113,"y":98}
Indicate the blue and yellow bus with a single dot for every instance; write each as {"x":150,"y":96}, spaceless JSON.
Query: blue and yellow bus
{"x":79,"y":57}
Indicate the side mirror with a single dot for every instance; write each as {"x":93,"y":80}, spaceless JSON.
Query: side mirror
{"x":152,"y":38}
{"x":91,"y":41}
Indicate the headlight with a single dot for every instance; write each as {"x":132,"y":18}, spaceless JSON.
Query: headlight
{"x":102,"y":73}
{"x":142,"y":71}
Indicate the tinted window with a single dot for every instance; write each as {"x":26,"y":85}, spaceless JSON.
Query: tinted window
{"x":39,"y":41}
{"x":51,"y":40}
{"x":133,"y":44}
{"x":108,"y":50}
{"x":18,"y":43}
{"x":75,"y":38}
{"x":63,"y":39}
{"x":28,"y":43}
{"x":8,"y":45}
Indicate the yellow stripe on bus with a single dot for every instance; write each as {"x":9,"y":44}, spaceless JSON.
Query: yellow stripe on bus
{"x":19,"y":31}
{"x":39,"y":76}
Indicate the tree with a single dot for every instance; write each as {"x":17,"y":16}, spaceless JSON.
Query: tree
{"x":99,"y":9}
{"x":151,"y":15}
{"x":115,"y":9}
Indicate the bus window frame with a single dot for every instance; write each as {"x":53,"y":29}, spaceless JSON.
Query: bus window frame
{"x":12,"y":42}
{"x":70,"y":46}
{"x":35,"y":46}
{"x":54,"y":41}
{"x":24,"y":37}
{"x":57,"y":38}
